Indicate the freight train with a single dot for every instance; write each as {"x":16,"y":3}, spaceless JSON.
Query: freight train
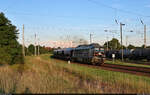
{"x":91,"y":54}
{"x":132,"y":54}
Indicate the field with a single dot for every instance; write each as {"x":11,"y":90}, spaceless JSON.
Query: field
{"x":46,"y":75}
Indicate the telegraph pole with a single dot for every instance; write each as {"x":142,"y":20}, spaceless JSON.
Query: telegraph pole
{"x":23,"y":49}
{"x":107,"y":38}
{"x":90,"y":38}
{"x":35,"y":46}
{"x":28,"y":45}
{"x":107,"y":43}
{"x":38,"y":48}
{"x":126,"y":41}
{"x":121,"y":38}
{"x":144,"y":33}
{"x":121,"y":24}
{"x":144,"y":36}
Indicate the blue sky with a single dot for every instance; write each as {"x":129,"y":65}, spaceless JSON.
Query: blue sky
{"x":55,"y":19}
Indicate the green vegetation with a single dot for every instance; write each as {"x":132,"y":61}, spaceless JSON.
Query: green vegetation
{"x":42,"y":50}
{"x":131,"y":47}
{"x":10,"y":50}
{"x":115,"y":45}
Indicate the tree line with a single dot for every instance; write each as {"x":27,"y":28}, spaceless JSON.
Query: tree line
{"x":114,"y":44}
{"x":30,"y":50}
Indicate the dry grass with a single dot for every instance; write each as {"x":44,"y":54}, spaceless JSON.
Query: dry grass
{"x":109,"y":82}
{"x":40,"y":77}
{"x":44,"y":75}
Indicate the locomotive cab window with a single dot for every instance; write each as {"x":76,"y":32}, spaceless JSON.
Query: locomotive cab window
{"x":96,"y":49}
{"x":102,"y":50}
{"x":98,"y":52}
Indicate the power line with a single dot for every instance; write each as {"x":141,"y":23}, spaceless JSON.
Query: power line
{"x":53,"y":16}
{"x":116,"y":9}
{"x":10,"y":5}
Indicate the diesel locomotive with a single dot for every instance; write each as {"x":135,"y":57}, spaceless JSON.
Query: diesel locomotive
{"x":91,"y":54}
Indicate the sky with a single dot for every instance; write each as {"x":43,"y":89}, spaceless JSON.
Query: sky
{"x":62,"y":20}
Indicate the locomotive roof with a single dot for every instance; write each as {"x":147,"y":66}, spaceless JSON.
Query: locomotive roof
{"x":86,"y":46}
{"x":68,"y":49}
{"x":93,"y":45}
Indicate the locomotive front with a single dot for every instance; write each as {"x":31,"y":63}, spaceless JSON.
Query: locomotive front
{"x":98,"y":55}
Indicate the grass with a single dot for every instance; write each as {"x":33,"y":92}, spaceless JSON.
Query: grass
{"x":132,"y":83}
{"x":126,"y":63}
{"x":45,"y":75}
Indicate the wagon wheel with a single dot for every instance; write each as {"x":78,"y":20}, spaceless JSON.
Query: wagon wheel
{"x":102,"y":61}
{"x":93,"y":61}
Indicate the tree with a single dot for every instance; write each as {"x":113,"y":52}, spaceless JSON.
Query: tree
{"x":43,"y":49}
{"x":10,"y":49}
{"x":131,"y":47}
{"x":30,"y":49}
{"x":113,"y":44}
{"x":148,"y":46}
{"x":142,"y":46}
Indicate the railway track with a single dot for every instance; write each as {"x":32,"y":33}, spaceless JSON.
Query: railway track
{"x":133,"y":62}
{"x":142,"y":71}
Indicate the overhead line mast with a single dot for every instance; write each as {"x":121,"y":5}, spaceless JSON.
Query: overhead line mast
{"x":121,"y":39}
{"x":35,"y":46}
{"x":23,"y":45}
{"x":91,"y":38}
{"x":144,"y":33}
{"x":38,"y":47}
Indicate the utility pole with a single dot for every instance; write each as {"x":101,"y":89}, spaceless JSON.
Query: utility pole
{"x":126,"y":41}
{"x":38,"y":47}
{"x":144,"y":36}
{"x":121,"y":38}
{"x":90,"y":38}
{"x":127,"y":37}
{"x":121,"y":24}
{"x":23,"y":46}
{"x":107,"y":38}
{"x":28,"y":45}
{"x":144,"y":33}
{"x":107,"y":43}
{"x":35,"y":46}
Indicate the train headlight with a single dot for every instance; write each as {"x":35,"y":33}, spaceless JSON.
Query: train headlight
{"x":100,"y":53}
